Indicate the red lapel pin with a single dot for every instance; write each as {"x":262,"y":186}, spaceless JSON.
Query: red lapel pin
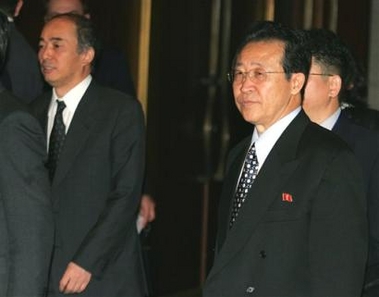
{"x":287,"y":197}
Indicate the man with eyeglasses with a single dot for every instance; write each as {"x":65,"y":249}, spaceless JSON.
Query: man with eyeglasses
{"x":333,"y":81}
{"x":292,"y":214}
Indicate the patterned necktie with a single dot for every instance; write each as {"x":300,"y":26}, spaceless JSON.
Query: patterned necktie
{"x":57,"y":137}
{"x":248,"y":175}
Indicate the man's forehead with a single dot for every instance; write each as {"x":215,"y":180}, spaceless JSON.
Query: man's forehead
{"x":58,"y":7}
{"x":59,"y":28}
{"x":261,"y":52}
{"x":266,"y":43}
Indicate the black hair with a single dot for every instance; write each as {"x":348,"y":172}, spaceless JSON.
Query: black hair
{"x":295,"y":58}
{"x":84,"y":29}
{"x":334,"y":57}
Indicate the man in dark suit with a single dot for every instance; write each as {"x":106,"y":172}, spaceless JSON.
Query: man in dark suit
{"x":97,"y":179}
{"x":26,"y":217}
{"x":300,"y":228}
{"x":332,"y":82}
{"x":21,"y":74}
{"x":111,"y":70}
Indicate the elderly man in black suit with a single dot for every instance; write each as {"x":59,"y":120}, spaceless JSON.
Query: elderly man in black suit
{"x":292,"y":217}
{"x":26,"y":217}
{"x":334,"y":80}
{"x":96,"y":162}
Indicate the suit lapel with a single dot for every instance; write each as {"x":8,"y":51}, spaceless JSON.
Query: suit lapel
{"x":230,"y":181}
{"x":277,"y":169}
{"x":77,"y":133}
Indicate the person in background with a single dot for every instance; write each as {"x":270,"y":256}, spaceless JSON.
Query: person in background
{"x":26,"y":214}
{"x":110,"y":69}
{"x":96,"y":163}
{"x":21,"y":74}
{"x":332,"y":82}
{"x":292,"y":214}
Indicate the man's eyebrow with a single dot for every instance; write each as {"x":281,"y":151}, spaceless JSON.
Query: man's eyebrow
{"x":52,"y":39}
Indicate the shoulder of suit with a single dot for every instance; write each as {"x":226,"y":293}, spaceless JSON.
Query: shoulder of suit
{"x":112,"y":97}
{"x":362,"y":116}
{"x":318,"y":138}
{"x":359,"y":131}
{"x":109,"y":91}
{"x":10,"y":103}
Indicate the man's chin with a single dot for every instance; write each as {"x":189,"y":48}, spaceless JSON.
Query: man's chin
{"x":50,"y":81}
{"x":249,"y":116}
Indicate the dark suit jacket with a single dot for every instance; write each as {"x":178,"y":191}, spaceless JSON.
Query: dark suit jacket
{"x":365,"y":144}
{"x":96,"y":192}
{"x":363,"y":116}
{"x":21,"y":74}
{"x":26,"y":218}
{"x":315,"y":245}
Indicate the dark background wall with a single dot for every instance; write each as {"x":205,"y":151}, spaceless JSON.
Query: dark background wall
{"x":191,"y":115}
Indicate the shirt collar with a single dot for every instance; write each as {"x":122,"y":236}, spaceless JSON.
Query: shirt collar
{"x":73,"y":97}
{"x":332,"y":120}
{"x":266,"y":141}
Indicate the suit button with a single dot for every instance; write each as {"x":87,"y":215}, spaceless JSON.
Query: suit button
{"x":262,"y":254}
{"x":250,"y":290}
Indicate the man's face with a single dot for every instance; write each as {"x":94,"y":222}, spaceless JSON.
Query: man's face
{"x":265,"y":97}
{"x":318,"y":100}
{"x":61,"y":64}
{"x":56,"y":7}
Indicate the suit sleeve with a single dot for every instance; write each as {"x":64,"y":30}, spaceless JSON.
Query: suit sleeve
{"x":115,"y":230}
{"x":25,"y":193}
{"x":338,"y":233}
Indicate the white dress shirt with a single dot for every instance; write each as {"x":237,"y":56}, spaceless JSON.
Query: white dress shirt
{"x":71,"y":99}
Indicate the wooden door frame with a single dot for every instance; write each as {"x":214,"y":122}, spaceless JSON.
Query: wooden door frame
{"x":138,"y":46}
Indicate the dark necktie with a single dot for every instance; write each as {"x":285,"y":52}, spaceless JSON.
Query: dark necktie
{"x":57,"y":137}
{"x":248,"y":175}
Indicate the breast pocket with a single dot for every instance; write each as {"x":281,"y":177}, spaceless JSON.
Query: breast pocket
{"x":286,"y":213}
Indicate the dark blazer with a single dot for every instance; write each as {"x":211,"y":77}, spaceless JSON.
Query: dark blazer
{"x":96,"y":192}
{"x":21,"y":74}
{"x":363,"y":116}
{"x":315,"y":245}
{"x":26,"y":218}
{"x":365,"y":144}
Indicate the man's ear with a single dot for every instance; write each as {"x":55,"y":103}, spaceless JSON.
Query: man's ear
{"x":88,"y":56}
{"x":297,"y":81}
{"x":335,"y":83}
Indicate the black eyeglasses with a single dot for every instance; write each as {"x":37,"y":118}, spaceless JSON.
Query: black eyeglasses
{"x":254,"y":75}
